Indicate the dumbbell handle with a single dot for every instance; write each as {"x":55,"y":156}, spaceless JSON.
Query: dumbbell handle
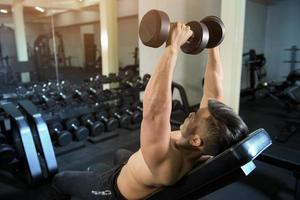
{"x":89,"y":122}
{"x":74,"y":126}
{"x":93,"y":90}
{"x":77,"y":92}
{"x":117,"y":115}
{"x":139,"y":108}
{"x":104,"y":118}
{"x":45,"y":98}
{"x":56,"y":130}
{"x":129,"y":112}
{"x":62,"y":95}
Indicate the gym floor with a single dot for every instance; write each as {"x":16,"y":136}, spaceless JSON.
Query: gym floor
{"x":266,"y":182}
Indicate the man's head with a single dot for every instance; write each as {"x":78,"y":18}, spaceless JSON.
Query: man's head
{"x":213,"y":129}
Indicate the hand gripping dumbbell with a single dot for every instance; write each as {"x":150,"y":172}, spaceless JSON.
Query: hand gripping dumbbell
{"x":155,"y":27}
{"x":110,"y":123}
{"x":136,"y":116}
{"x":124,"y":119}
{"x":7,"y":152}
{"x":79,"y":132}
{"x":96,"y":127}
{"x":61,"y":136}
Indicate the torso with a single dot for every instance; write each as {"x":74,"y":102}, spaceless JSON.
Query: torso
{"x":136,"y":181}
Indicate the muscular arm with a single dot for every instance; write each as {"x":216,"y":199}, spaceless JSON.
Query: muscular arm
{"x":213,"y":78}
{"x":155,"y":128}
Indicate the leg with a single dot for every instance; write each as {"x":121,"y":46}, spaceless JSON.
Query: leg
{"x":121,"y":156}
{"x":78,"y":184}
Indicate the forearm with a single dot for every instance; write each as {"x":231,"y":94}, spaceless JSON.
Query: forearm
{"x":157,"y":96}
{"x":213,"y":78}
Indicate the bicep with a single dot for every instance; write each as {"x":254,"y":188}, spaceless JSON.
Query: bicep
{"x":155,"y":139}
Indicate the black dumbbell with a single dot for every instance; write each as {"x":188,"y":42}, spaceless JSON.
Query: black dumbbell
{"x":96,"y":127}
{"x":124,"y":119}
{"x":7,"y":152}
{"x":48,"y":101}
{"x":136,"y":116}
{"x":79,"y":132}
{"x":110,"y":123}
{"x":82,"y":95}
{"x":66,"y":98}
{"x":61,"y":136}
{"x":138,"y":106}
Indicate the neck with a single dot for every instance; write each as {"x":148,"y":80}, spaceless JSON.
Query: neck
{"x":189,"y":152}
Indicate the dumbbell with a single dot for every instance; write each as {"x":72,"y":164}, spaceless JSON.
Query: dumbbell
{"x":138,"y":106}
{"x":124,"y":119}
{"x":48,"y":101}
{"x":66,"y":98}
{"x":96,"y":127}
{"x":110,"y":123}
{"x":79,"y":132}
{"x":61,"y":136}
{"x":82,"y":95}
{"x":155,"y":27}
{"x":7,"y":152}
{"x":136,"y":116}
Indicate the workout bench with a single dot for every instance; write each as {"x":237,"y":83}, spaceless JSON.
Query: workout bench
{"x":219,"y":171}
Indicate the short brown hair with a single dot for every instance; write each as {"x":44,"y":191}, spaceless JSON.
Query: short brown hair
{"x":224,"y":128}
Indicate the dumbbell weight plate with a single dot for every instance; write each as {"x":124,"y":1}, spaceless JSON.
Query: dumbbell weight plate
{"x":199,"y":39}
{"x":64,"y":138}
{"x":154,"y":28}
{"x":216,"y":29}
{"x":7,"y":154}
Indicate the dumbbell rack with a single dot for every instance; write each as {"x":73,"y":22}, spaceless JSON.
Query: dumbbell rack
{"x":24,"y":143}
{"x":293,"y":59}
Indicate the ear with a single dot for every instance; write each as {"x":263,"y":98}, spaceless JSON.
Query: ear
{"x":196,"y":141}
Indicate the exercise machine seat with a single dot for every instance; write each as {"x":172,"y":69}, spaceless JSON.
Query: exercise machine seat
{"x":227,"y":167}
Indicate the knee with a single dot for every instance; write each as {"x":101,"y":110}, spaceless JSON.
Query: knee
{"x":59,"y":179}
{"x":121,"y":155}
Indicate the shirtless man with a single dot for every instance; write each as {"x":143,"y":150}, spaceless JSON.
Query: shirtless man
{"x":164,"y":156}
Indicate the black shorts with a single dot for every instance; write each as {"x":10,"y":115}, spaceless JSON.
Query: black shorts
{"x":86,"y":185}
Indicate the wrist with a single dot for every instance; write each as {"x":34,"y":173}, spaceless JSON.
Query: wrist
{"x":172,"y":49}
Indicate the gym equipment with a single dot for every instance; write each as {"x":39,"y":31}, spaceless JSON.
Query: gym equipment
{"x":110,"y":123}
{"x":96,"y":127}
{"x":136,"y":116}
{"x":155,"y":27}
{"x":256,"y":71}
{"x":62,"y":137}
{"x":79,"y":132}
{"x":24,"y":144}
{"x":225,"y":168}
{"x":7,"y":152}
{"x":293,"y":60}
{"x":285,"y":158}
{"x":124,"y":119}
{"x":41,"y":136}
{"x":217,"y":172}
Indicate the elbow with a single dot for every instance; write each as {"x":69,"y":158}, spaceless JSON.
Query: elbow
{"x":152,"y":111}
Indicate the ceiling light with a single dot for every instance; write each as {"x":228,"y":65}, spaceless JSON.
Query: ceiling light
{"x":39,"y":9}
{"x":3,"y":11}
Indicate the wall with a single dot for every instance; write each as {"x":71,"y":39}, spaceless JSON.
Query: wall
{"x":128,"y":39}
{"x":283,"y":30}
{"x":255,"y":33}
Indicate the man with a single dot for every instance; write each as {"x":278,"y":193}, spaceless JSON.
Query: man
{"x":165,"y":156}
